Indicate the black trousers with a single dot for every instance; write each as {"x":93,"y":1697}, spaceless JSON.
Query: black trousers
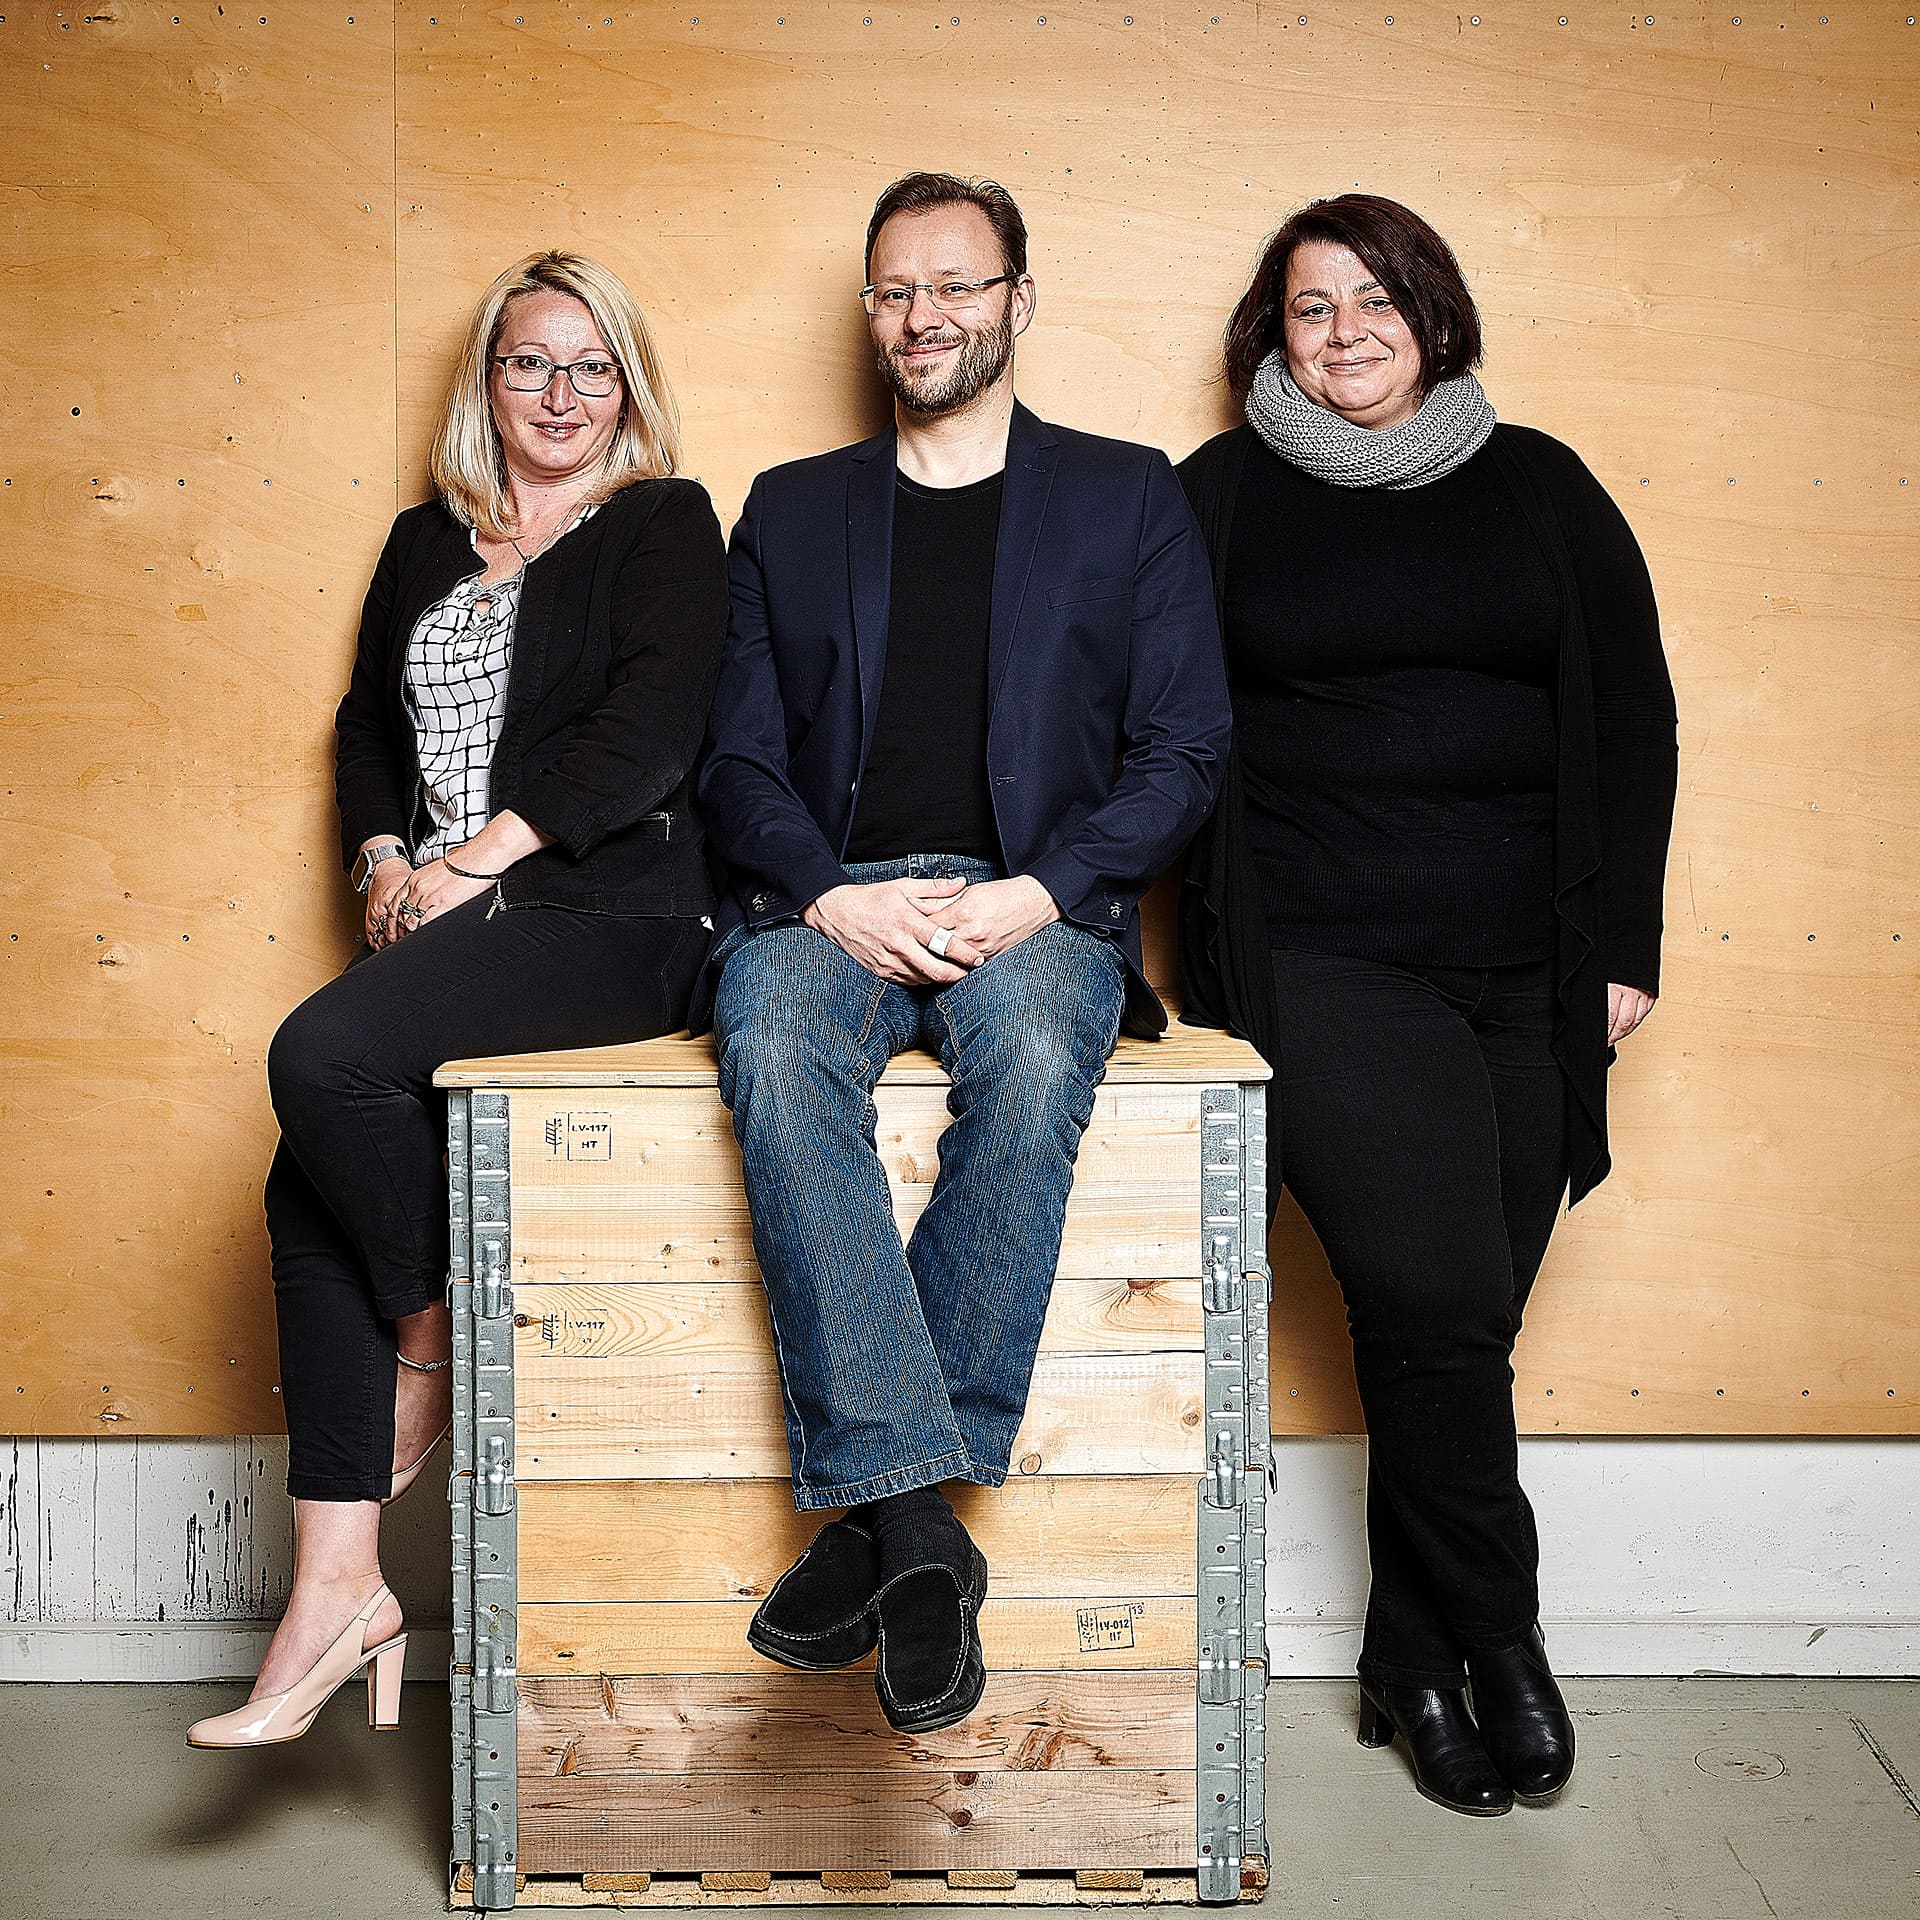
{"x":1424,"y":1137}
{"x":357,"y":1195}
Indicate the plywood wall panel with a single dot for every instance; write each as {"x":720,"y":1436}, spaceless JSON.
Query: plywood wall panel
{"x":1694,"y":243}
{"x":198,"y":470}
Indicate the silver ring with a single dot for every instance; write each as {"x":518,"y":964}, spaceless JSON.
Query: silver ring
{"x":408,"y":911}
{"x":942,"y":938}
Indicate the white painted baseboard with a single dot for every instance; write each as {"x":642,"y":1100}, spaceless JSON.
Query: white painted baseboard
{"x":169,"y":1559}
{"x":179,"y":1650}
{"x":161,"y":1559}
{"x":1658,"y":1556}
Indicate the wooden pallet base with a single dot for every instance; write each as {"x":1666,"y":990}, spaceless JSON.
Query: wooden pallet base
{"x":963,"y":1887}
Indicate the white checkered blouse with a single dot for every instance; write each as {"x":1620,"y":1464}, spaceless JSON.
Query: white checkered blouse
{"x":456,"y":693}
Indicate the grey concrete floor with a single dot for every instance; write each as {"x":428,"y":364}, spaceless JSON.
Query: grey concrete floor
{"x":1695,"y":1800}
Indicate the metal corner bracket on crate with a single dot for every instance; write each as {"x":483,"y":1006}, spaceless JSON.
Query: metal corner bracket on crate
{"x":481,"y":1492}
{"x":1236,"y":1285}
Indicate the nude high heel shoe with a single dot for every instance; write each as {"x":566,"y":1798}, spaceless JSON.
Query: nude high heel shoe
{"x":407,"y":1475}
{"x":278,"y":1717}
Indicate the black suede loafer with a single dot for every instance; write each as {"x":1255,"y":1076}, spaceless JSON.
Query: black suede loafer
{"x":931,"y":1672}
{"x":1523,"y":1721}
{"x":819,"y":1613}
{"x":1450,"y":1766}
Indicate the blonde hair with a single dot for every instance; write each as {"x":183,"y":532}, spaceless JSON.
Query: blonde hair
{"x":468,"y":465}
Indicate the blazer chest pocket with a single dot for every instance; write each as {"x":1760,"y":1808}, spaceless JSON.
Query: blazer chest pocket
{"x":1071,"y":593}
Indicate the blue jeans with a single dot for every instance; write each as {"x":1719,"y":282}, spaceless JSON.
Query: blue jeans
{"x":905,"y":1366}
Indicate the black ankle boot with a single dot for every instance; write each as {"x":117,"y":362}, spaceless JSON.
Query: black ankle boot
{"x":1450,"y":1766}
{"x":931,"y":1671}
{"x":819,"y":1613}
{"x":1523,"y":1721}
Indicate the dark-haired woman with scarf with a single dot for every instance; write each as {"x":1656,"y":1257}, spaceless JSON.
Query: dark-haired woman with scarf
{"x":1431,"y":897}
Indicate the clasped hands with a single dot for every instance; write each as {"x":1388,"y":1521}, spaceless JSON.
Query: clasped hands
{"x":402,"y":899}
{"x":889,"y":926}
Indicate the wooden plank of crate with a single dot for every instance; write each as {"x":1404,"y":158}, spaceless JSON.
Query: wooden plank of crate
{"x":687,"y":1416}
{"x":1144,"y":1233}
{"x":703,"y":1234}
{"x":729,"y":1723}
{"x":963,"y":1887}
{"x":655,"y":1177}
{"x":611,"y":1310}
{"x":735,"y":1882}
{"x":1183,"y":1055}
{"x":864,"y":1880}
{"x":636,"y":1145}
{"x":1081,"y":1633}
{"x":1043,"y":1535}
{"x":671,"y":1822}
{"x":1109,"y":1879}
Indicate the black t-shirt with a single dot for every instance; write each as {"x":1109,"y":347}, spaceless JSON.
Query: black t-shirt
{"x":924,"y":789}
{"x":1393,"y":655}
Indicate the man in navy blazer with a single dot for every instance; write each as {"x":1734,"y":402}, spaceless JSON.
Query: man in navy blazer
{"x":971,"y":706}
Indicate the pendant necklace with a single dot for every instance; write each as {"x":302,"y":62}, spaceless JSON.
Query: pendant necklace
{"x":484,"y":604}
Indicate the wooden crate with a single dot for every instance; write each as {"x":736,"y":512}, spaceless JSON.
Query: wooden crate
{"x":621,"y":1506}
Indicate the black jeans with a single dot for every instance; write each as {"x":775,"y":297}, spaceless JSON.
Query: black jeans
{"x":357,"y":1195}
{"x":1423,"y":1133}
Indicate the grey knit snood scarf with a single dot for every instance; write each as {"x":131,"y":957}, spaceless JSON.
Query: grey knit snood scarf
{"x":1452,"y":425}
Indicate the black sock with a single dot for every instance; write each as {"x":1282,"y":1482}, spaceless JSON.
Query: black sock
{"x":918,"y":1529}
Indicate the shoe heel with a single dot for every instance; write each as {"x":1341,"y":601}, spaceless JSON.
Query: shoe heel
{"x":384,"y":1673}
{"x":1376,"y":1730}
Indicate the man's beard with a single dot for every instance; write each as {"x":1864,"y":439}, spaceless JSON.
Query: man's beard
{"x":982,"y":359}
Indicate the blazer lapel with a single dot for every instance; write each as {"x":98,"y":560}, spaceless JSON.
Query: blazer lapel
{"x":1031,"y":453}
{"x":870,"y":483}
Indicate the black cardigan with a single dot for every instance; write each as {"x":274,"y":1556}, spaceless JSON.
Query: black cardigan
{"x":616,"y":649}
{"x":1614,"y":792}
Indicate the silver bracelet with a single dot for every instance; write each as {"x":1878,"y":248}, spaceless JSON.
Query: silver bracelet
{"x":447,"y":862}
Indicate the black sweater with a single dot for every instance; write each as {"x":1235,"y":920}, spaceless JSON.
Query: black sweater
{"x":1615,"y":774}
{"x":924,"y":789}
{"x":615,"y":653}
{"x":1391,"y":656}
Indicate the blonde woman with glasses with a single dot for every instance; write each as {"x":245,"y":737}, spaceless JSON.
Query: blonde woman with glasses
{"x":536,"y":657}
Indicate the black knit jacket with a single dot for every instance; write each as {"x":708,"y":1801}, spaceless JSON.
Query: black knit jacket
{"x":1613,"y":796}
{"x":615,"y":653}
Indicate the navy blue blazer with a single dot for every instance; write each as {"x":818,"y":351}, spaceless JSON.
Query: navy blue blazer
{"x":1107,"y":699}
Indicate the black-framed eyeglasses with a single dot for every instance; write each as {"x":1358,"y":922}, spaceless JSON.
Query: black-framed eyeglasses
{"x":592,"y":378}
{"x":944,"y":296}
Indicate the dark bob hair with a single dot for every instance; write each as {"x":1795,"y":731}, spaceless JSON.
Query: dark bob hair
{"x":922,"y":192}
{"x":1408,"y":258}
